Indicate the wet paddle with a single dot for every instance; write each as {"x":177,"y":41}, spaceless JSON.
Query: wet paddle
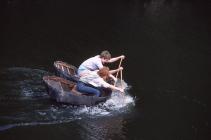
{"x":120,"y":72}
{"x":121,"y":77}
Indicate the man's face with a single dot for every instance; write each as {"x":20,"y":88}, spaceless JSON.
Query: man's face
{"x":104,"y":60}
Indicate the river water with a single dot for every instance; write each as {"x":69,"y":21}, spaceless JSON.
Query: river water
{"x":167,"y":68}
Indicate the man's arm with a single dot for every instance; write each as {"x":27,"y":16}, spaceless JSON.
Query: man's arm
{"x":114,"y":78}
{"x":116,"y":70}
{"x":116,"y":88}
{"x":116,"y":58}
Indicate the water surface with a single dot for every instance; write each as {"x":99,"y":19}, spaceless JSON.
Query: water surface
{"x":167,"y":48}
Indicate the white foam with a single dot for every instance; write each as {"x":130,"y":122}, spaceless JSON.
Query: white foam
{"x":115,"y":103}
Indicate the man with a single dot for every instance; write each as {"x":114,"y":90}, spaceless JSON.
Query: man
{"x":95,"y":81}
{"x":96,"y":63}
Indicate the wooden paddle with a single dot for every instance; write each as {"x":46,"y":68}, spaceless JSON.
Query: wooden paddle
{"x":121,"y":77}
{"x":118,"y":71}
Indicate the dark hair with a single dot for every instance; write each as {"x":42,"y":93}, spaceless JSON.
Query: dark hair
{"x":103,"y":72}
{"x":105,"y":54}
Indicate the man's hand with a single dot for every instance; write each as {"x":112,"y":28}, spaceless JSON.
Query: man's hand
{"x":121,"y":90}
{"x":122,"y":57}
{"x":120,"y":68}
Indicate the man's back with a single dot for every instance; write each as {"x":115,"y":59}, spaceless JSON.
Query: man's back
{"x":91,"y":64}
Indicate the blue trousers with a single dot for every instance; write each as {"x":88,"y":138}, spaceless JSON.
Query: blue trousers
{"x":84,"y":88}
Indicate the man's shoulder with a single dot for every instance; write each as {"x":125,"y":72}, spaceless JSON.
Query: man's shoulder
{"x":97,"y":56}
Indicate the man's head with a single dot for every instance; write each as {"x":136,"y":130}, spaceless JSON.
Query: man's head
{"x":105,"y":56}
{"x":104,"y":72}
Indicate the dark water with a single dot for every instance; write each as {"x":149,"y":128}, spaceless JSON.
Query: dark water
{"x":167,"y":48}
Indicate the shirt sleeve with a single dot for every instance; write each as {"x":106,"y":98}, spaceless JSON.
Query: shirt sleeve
{"x":99,"y":64}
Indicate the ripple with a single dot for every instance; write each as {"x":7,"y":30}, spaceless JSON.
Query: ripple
{"x":9,"y":126}
{"x":33,"y":107}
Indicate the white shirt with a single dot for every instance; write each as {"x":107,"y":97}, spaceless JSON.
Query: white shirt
{"x":94,"y":79}
{"x":91,"y":64}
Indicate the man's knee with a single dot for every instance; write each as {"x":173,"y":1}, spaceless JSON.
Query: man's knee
{"x":98,"y":93}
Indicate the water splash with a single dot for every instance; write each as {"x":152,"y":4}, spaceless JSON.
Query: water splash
{"x":33,"y":106}
{"x":118,"y":103}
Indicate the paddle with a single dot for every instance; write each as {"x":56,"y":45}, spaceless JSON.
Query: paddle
{"x":121,"y":77}
{"x":118,"y":72}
